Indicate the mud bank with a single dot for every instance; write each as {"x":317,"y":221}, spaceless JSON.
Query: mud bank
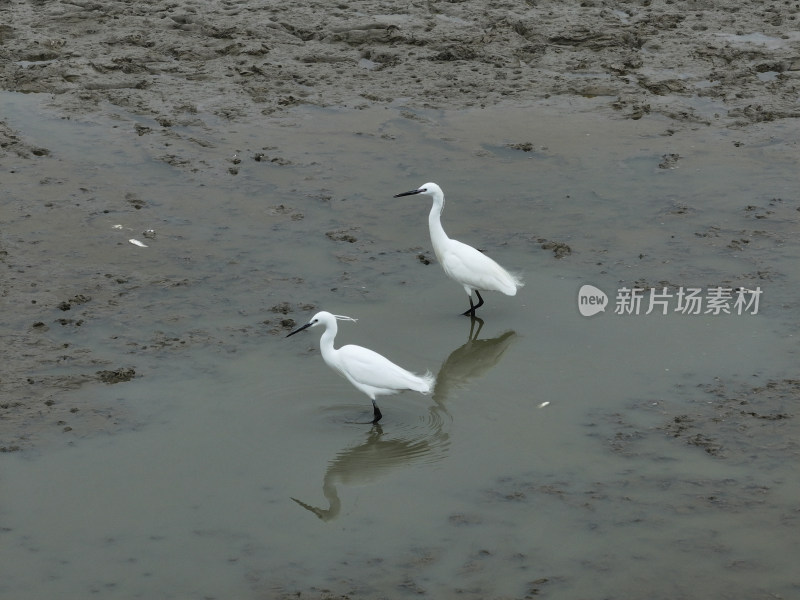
{"x":172,"y":60}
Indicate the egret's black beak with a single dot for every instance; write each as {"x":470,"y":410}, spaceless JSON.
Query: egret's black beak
{"x":299,"y":329}
{"x":411,"y":193}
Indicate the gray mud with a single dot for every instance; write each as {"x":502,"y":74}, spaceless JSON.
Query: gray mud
{"x":152,"y":413}
{"x":172,"y":60}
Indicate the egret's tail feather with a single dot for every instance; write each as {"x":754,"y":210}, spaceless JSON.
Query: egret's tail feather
{"x":428,"y":381}
{"x":511,"y":283}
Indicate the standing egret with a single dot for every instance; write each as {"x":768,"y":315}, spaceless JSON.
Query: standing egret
{"x":373,"y":374}
{"x":468,"y":266}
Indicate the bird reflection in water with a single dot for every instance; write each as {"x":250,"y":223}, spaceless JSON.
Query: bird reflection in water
{"x":470,"y":361}
{"x":424,"y":442}
{"x":366,"y":462}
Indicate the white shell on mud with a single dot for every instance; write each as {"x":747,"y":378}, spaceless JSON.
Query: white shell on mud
{"x":137,"y":243}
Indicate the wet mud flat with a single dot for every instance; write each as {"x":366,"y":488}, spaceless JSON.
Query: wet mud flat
{"x":658,"y":439}
{"x":645,"y":144}
{"x":82,"y":270}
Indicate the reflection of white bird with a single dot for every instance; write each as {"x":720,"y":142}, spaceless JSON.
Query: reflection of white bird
{"x":367,"y":462}
{"x":470,"y":361}
{"x":468,"y":266}
{"x":373,"y":374}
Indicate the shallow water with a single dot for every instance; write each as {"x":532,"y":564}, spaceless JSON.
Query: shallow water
{"x":239,"y":469}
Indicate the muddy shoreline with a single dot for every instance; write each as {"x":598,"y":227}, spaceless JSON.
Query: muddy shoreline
{"x":171,"y":60}
{"x":174,"y":64}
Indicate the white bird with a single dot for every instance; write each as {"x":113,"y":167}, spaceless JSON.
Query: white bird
{"x":468,"y":266}
{"x":368,"y":371}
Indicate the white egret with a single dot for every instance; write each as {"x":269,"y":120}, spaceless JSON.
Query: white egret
{"x":368,"y":371}
{"x":468,"y":266}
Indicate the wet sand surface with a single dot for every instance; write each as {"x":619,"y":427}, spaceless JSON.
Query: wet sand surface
{"x":160,"y":435}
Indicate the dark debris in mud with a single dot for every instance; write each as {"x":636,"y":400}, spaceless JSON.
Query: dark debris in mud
{"x":669,"y":161}
{"x":527,"y":147}
{"x":117,"y":375}
{"x":342,"y":235}
{"x":281,"y":325}
{"x":560,"y":249}
{"x":135,"y":201}
{"x":284,"y":308}
{"x":77,"y":299}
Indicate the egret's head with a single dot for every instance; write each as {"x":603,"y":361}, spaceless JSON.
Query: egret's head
{"x":429,"y":189}
{"x":321,"y":318}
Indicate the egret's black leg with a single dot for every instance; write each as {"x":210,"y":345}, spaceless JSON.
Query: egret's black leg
{"x":376,"y":412}
{"x":471,"y":310}
{"x":473,"y":307}
{"x":480,"y":299}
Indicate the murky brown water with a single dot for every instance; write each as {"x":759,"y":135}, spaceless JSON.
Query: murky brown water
{"x":239,"y":471}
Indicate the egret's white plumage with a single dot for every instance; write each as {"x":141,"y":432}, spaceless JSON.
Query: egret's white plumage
{"x":466,"y":265}
{"x":368,"y":371}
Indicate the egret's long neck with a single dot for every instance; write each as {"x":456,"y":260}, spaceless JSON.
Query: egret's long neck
{"x":326,"y":343}
{"x":438,"y":236}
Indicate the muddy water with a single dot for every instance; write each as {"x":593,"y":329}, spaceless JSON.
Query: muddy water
{"x":548,"y":458}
